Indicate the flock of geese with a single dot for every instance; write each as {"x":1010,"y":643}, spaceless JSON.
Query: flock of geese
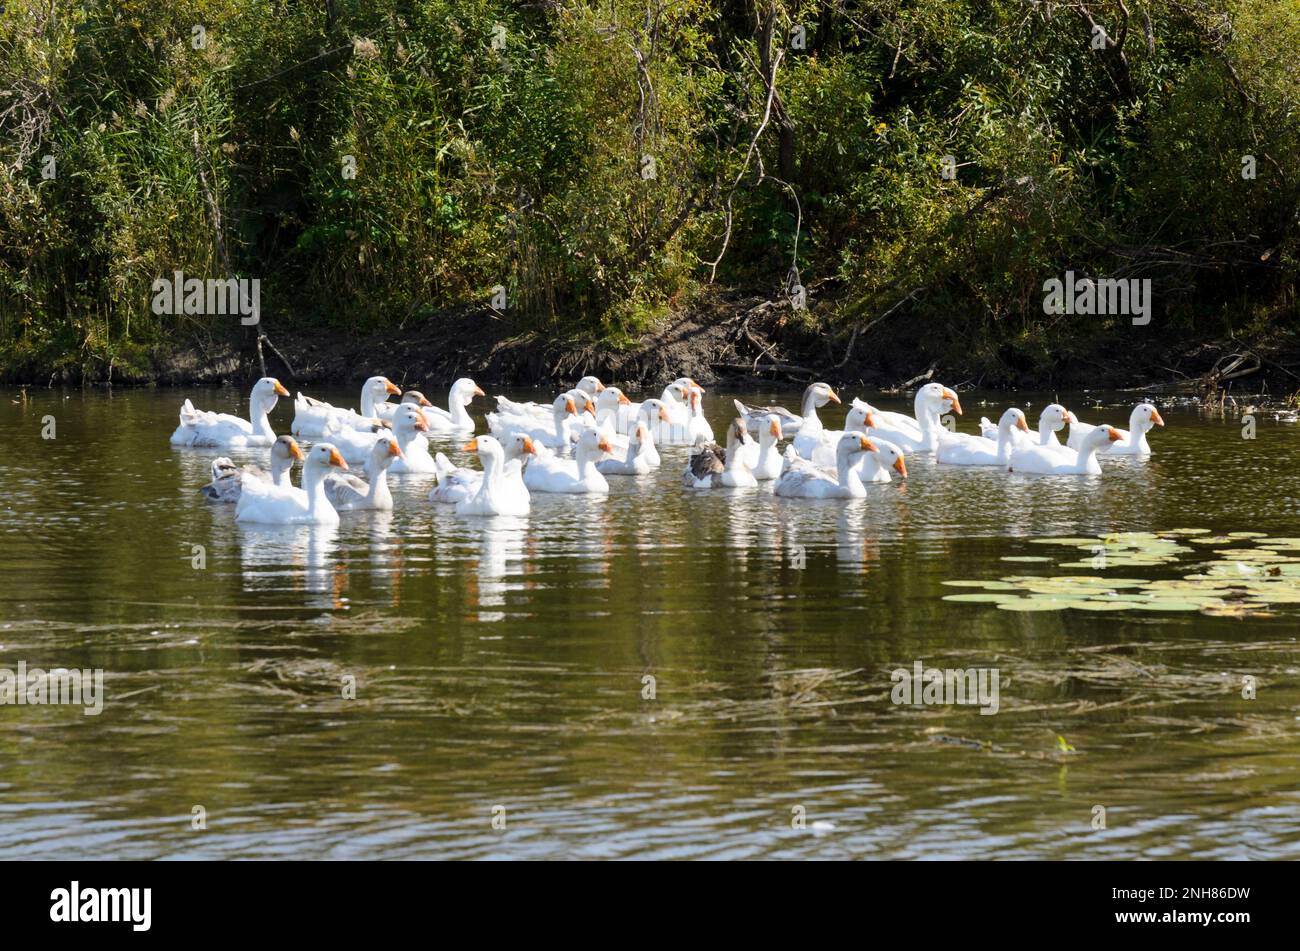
{"x":593,"y":432}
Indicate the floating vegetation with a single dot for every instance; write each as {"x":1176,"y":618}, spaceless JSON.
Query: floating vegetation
{"x":1250,"y":573}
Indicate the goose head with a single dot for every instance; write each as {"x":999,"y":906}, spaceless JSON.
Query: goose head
{"x":937,"y":398}
{"x":380,"y":388}
{"x":819,"y":394}
{"x":850,"y":445}
{"x":486,"y":447}
{"x":861,"y":416}
{"x":321,"y":457}
{"x":415,"y":398}
{"x":590,"y":384}
{"x":769,"y":434}
{"x":1144,"y":417}
{"x":656,"y":409}
{"x":1013,"y":419}
{"x":1054,"y":418}
{"x":382,"y":454}
{"x":737,"y":437}
{"x":592,"y":444}
{"x":408,"y":420}
{"x":688,"y":384}
{"x":285,"y":449}
{"x":609,"y":400}
{"x":890,"y":457}
{"x":518,"y":446}
{"x":463,"y":391}
{"x":564,"y":405}
{"x":266,"y":393}
{"x":1100,"y":437}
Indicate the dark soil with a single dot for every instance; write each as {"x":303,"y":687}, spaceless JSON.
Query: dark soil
{"x":729,"y":337}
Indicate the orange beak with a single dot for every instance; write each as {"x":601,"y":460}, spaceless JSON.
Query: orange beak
{"x":623,"y":400}
{"x":337,"y":460}
{"x":393,"y":390}
{"x":1155,"y":417}
{"x":869,"y":421}
{"x":296,"y":451}
{"x":421,"y":424}
{"x":694,"y":384}
{"x":775,"y":428}
{"x":1021,"y":424}
{"x":394,"y":449}
{"x":471,"y":446}
{"x":478,"y":391}
{"x":1113,"y":433}
{"x":529,"y":447}
{"x":663,"y":414}
{"x":1070,"y":417}
{"x":424,"y":402}
{"x":867,"y":444}
{"x":280,"y":390}
{"x":604,"y":445}
{"x":832,"y":396}
{"x":901,"y":466}
{"x":599,"y":386}
{"x":570,"y":408}
{"x":951,"y":397}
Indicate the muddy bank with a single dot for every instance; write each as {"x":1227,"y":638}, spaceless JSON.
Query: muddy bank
{"x":729,"y":337}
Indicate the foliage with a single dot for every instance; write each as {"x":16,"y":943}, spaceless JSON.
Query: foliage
{"x":604,"y":159}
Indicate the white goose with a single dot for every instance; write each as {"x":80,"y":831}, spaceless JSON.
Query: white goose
{"x":763,"y":457}
{"x":636,"y":460}
{"x":923,"y":432}
{"x":979,"y":451}
{"x":306,"y":506}
{"x":355,"y":444}
{"x":201,"y":428}
{"x":676,"y":399}
{"x":495,"y":495}
{"x":578,"y":475}
{"x":815,"y":396}
{"x":800,"y":479}
{"x":819,"y":447}
{"x":312,"y":418}
{"x":409,"y":427}
{"x":564,"y":425}
{"x":456,"y":484}
{"x":710,"y":468}
{"x":697,"y":426}
{"x":1051,"y":421}
{"x":455,"y":418}
{"x":649,"y":413}
{"x":1132,"y":441}
{"x":875,"y":466}
{"x":228,"y":479}
{"x":609,"y":403}
{"x":347,"y":493}
{"x":1044,"y":461}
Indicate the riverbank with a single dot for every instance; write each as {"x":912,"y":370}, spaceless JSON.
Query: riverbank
{"x":734,"y":337}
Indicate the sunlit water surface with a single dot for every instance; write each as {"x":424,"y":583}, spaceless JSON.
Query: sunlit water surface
{"x":500,"y":665}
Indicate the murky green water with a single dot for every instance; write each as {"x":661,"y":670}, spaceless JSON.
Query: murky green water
{"x":501,"y":663}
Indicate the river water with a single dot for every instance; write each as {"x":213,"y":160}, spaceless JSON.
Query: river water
{"x":501,"y":665}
